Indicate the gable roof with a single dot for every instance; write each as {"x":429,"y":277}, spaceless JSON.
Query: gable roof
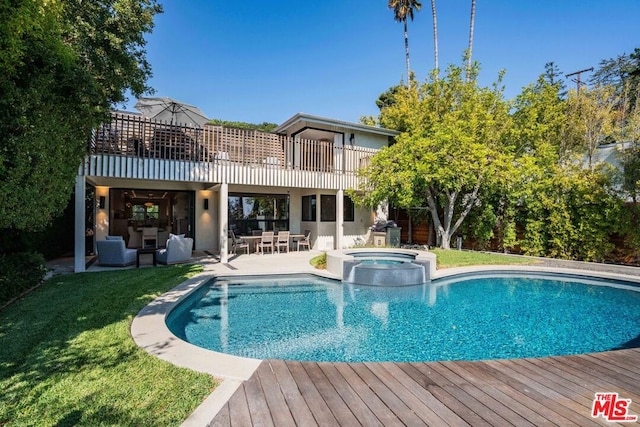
{"x":303,"y":120}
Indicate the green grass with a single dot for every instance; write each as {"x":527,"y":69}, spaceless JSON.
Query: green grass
{"x":67,"y":357}
{"x":319,"y":261}
{"x":447,"y":258}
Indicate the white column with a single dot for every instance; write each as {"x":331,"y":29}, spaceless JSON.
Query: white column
{"x":223,"y":221}
{"x":339,"y":218}
{"x":79,"y":226}
{"x":320,"y":242}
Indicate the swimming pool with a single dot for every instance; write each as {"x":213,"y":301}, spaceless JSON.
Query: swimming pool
{"x":310,"y":318}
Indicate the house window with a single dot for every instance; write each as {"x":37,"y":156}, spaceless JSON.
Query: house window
{"x":309,"y":208}
{"x":348,"y":209}
{"x":249,"y":212}
{"x":145,"y":212}
{"x":327,"y":208}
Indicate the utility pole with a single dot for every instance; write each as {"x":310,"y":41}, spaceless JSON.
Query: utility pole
{"x":577,"y":79}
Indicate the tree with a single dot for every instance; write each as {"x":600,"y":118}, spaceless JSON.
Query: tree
{"x":564,"y":209}
{"x":64,"y":65}
{"x":436,"y":67}
{"x":592,"y":114}
{"x":471,"y":25}
{"x":618,"y":71}
{"x":450,"y":151}
{"x":403,"y":9}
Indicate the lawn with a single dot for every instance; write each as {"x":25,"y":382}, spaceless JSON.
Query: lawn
{"x":68,"y":358}
{"x":447,"y":258}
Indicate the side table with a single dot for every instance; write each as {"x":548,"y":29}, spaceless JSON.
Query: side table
{"x":146,"y":251}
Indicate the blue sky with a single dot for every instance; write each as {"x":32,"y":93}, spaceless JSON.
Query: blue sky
{"x":266,"y":60}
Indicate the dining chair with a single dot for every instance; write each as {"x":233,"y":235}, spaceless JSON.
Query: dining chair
{"x":149,"y":237}
{"x":266,"y":242}
{"x":238,"y":243}
{"x":283,"y":240}
{"x":135,"y":238}
{"x":306,"y":241}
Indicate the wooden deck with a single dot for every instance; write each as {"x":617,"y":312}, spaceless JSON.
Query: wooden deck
{"x":522,"y":392}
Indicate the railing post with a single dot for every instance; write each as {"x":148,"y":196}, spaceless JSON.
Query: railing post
{"x":223,"y":215}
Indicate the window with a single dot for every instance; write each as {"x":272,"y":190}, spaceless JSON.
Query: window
{"x":145,"y":212}
{"x":327,"y":208}
{"x":248,"y":212}
{"x":309,"y":208}
{"x":348,"y":209}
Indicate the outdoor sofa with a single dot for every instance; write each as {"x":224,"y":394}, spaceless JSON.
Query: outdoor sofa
{"x":113,"y":252}
{"x":178,"y":250}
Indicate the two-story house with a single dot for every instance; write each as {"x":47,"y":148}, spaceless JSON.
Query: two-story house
{"x":204,"y":182}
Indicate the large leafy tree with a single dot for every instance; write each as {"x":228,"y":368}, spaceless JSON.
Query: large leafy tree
{"x":452,"y":150}
{"x":402,"y":11}
{"x":565,"y":209}
{"x":64,"y":65}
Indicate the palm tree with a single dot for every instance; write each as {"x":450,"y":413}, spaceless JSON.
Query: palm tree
{"x":403,"y":9}
{"x":473,"y":18}
{"x":435,"y":37}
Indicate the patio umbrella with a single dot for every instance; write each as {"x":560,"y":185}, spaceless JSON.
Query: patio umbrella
{"x":171,"y":110}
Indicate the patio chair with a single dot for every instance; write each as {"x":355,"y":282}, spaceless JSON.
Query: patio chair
{"x":306,"y":241}
{"x":283,"y":240}
{"x":112,"y":252}
{"x":237,"y":243}
{"x":266,"y":242}
{"x":179,"y":249}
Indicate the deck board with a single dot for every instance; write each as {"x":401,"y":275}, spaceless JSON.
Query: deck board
{"x":297,"y":406}
{"x":543,"y":391}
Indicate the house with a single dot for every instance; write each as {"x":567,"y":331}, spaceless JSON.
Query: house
{"x":203,"y":182}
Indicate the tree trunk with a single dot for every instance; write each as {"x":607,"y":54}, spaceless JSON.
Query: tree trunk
{"x":435,"y":37}
{"x":406,"y":50}
{"x":471,"y":24}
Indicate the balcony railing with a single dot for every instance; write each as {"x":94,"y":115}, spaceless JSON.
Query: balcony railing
{"x":132,"y":141}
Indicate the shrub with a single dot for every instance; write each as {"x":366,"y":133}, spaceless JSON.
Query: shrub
{"x":18,"y":273}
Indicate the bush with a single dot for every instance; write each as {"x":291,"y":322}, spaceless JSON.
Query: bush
{"x":18,"y":273}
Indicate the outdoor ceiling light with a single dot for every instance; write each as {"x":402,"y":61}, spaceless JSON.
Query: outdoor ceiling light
{"x":148,"y":204}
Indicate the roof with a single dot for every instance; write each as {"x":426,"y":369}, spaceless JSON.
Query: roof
{"x":308,"y":119}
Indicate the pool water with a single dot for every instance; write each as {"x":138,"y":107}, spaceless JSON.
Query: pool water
{"x":310,"y":318}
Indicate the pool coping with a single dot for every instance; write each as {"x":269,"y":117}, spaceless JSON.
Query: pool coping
{"x":149,"y":330}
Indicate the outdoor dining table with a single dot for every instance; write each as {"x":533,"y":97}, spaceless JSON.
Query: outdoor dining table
{"x":253,"y":240}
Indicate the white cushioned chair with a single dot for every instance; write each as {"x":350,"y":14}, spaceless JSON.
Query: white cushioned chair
{"x":178,"y":249}
{"x":112,"y":252}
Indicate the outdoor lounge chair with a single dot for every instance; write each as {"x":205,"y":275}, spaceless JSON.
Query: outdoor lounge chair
{"x":179,"y":249}
{"x":112,"y":252}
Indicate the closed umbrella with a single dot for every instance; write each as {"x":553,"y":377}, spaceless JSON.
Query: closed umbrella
{"x":171,"y":110}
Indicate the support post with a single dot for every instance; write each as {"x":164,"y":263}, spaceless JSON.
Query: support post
{"x":339,"y":218}
{"x":79,"y":225}
{"x":223,"y":220}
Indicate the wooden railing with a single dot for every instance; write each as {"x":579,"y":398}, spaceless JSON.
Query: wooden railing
{"x":131,"y":138}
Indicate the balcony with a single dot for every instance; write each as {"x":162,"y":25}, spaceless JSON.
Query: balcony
{"x":132,"y":146}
